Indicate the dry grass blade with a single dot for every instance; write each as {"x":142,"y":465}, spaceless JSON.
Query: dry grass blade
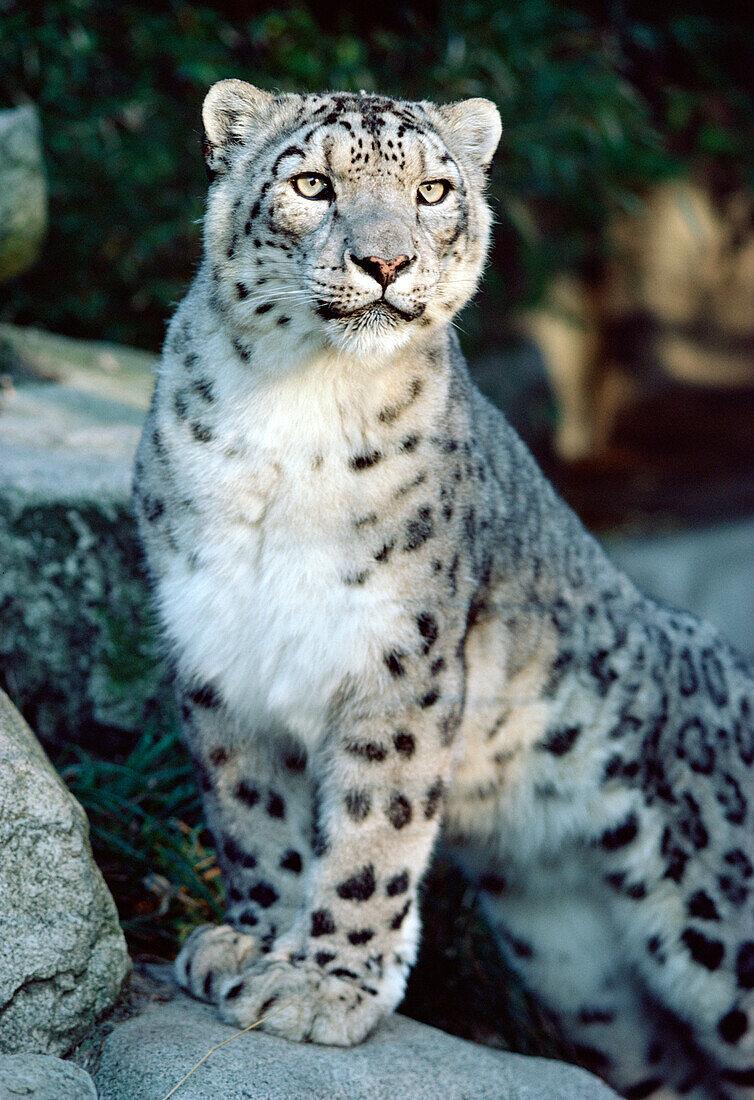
{"x":222,"y":1044}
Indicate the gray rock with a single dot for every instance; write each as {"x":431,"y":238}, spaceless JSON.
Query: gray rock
{"x":42,"y":1077}
{"x":147,"y":1056}
{"x":63,"y":958}
{"x":709,"y":571}
{"x":23,"y":191}
{"x":77,"y":650}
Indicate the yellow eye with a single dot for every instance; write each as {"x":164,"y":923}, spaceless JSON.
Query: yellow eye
{"x":433,"y":191}
{"x":312,"y":186}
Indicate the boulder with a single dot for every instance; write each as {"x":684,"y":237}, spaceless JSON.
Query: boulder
{"x":23,"y":191}
{"x":77,"y":650}
{"x":42,"y":1077}
{"x":148,"y":1056}
{"x":63,"y":959}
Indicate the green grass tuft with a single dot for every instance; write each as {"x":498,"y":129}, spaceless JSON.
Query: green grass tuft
{"x":148,"y":837}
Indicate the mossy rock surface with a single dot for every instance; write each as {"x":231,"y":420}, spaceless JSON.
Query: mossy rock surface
{"x":77,"y":650}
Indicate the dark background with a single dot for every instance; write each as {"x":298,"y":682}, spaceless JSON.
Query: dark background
{"x":598,"y":101}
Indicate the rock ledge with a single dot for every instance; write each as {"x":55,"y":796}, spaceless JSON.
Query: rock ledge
{"x":147,"y":1056}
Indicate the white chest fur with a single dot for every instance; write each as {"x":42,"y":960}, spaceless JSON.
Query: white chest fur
{"x":262,"y":609}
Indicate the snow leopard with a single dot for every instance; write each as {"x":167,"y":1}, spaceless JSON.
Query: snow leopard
{"x":388,"y":632}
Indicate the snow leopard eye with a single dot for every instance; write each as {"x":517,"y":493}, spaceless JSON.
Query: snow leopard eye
{"x":433,"y":191}
{"x":312,"y":186}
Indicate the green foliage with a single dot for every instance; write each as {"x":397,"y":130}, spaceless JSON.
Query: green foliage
{"x":120,"y":87}
{"x":148,"y":838}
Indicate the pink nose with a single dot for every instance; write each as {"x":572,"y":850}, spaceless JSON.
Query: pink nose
{"x":383,"y":271}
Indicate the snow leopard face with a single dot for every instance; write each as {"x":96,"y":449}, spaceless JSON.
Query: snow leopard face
{"x":355,"y":221}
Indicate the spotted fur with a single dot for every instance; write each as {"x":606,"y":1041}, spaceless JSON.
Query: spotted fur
{"x":385,"y":624}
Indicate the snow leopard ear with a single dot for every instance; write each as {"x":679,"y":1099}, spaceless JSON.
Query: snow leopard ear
{"x":230,"y":112}
{"x":473,"y":128}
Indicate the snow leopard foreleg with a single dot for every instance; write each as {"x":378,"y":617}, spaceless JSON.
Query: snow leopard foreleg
{"x":382,"y":775}
{"x":258,"y":805}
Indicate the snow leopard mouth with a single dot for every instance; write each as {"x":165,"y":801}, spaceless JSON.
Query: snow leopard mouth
{"x":381,"y":310}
